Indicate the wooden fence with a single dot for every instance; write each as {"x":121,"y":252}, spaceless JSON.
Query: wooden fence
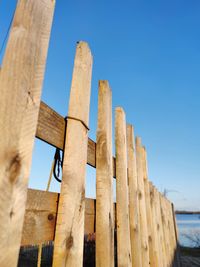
{"x":142,"y":217}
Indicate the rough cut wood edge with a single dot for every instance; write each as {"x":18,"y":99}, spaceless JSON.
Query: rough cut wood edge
{"x":133,"y":199}
{"x":68,"y":245}
{"x":21,"y":81}
{"x":51,"y":129}
{"x":124,"y":257}
{"x":104,"y":179}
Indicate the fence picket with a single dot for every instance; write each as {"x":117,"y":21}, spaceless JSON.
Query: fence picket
{"x":68,"y":248}
{"x":123,"y":229}
{"x":166,"y":233}
{"x":104,"y":178}
{"x":160,"y":230}
{"x":152,"y":258}
{"x":21,"y":81}
{"x":133,"y":199}
{"x":157,"y":255}
{"x":142,"y":206}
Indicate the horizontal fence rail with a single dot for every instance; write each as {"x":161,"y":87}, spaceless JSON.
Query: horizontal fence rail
{"x":51,"y":129}
{"x":40,"y":217}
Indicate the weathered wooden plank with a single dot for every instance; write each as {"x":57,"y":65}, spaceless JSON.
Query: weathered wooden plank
{"x":170,"y":240}
{"x":153,"y":259}
{"x":40,"y":217}
{"x":171,"y":236}
{"x":166,"y":233}
{"x":51,"y":128}
{"x":104,"y":179}
{"x":123,"y":228}
{"x":68,"y":247}
{"x":156,"y":245}
{"x":168,"y":230}
{"x":20,"y":84}
{"x":160,"y":229}
{"x":142,"y":206}
{"x":90,"y":215}
{"x":133,"y":199}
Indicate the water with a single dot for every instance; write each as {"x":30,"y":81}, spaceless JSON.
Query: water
{"x":188,"y":228}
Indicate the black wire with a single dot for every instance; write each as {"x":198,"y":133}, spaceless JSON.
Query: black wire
{"x":57,"y":165}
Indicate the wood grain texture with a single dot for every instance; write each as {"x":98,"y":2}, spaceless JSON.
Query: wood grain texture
{"x":172,"y":235}
{"x":68,"y":246}
{"x":90,"y":215}
{"x":166,"y":232}
{"x":168,"y":228}
{"x":123,"y":228}
{"x":40,"y":217}
{"x":20,"y":84}
{"x":156,"y":245}
{"x":104,"y":179}
{"x":142,"y":206}
{"x":161,"y":240}
{"x":51,"y":126}
{"x":133,"y":199}
{"x":152,"y":257}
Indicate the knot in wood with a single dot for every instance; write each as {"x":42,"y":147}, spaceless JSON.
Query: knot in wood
{"x":50,"y":217}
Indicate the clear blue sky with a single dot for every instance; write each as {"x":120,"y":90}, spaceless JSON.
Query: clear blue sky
{"x":150,"y":53}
